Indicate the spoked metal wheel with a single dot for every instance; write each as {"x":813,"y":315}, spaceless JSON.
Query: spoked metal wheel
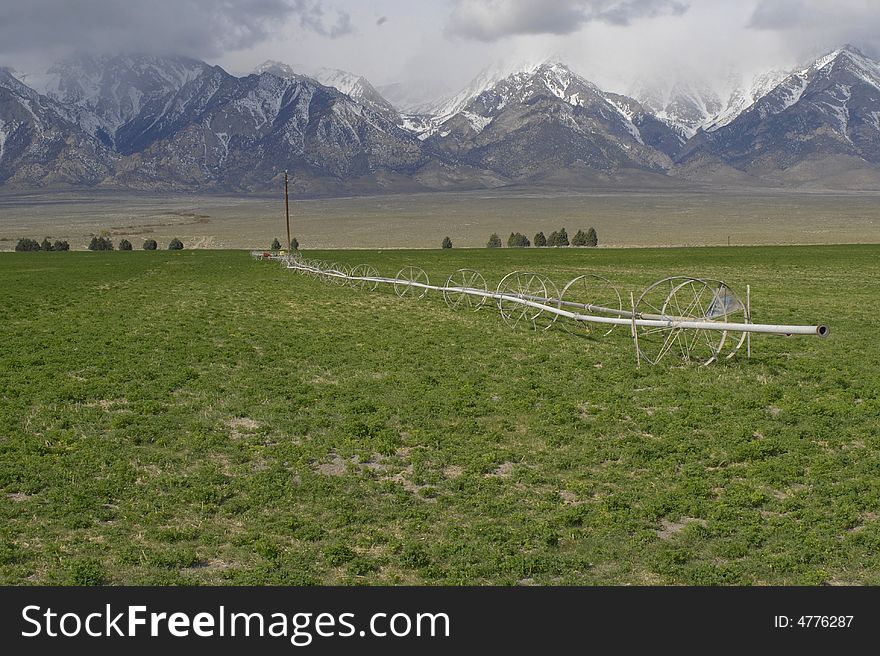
{"x":295,"y":257}
{"x":527,"y":286}
{"x":590,"y":294}
{"x":454,"y":294}
{"x":729,"y":308}
{"x":322,"y":272}
{"x":405,"y":287}
{"x":338,"y":274}
{"x":361,"y":271}
{"x":687,"y":299}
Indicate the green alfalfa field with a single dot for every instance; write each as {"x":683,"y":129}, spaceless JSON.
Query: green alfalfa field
{"x":202,"y":417}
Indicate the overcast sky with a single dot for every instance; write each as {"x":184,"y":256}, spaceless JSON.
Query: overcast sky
{"x":612,"y":42}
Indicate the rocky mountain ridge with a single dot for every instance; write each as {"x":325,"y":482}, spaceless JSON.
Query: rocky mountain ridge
{"x":176,"y":123}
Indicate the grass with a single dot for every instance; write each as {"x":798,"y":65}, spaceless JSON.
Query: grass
{"x":199,"y":417}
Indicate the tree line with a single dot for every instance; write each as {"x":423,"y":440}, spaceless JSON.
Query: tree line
{"x":557,"y":238}
{"x":98,"y":243}
{"x":25,"y":245}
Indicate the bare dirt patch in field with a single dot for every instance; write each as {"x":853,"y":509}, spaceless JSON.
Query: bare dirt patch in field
{"x":668,"y":529}
{"x":504,"y":470}
{"x":453,"y":472}
{"x":241,"y":426}
{"x":337,"y":466}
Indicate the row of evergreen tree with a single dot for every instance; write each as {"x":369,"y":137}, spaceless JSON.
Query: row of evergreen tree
{"x":98,"y":243}
{"x":26,"y":244}
{"x":557,"y":238}
{"x":105,"y":244}
{"x":516,"y":240}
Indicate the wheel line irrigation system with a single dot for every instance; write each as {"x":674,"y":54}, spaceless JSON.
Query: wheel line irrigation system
{"x":698,"y":319}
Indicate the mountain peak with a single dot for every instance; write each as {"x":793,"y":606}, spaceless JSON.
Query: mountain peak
{"x":276,"y":68}
{"x":844,"y":52}
{"x":348,"y":83}
{"x":846,"y":60}
{"x":358,"y":88}
{"x":848,"y":47}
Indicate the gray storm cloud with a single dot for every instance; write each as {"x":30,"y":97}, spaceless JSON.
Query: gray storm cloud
{"x":313,"y":16}
{"x":199,"y":28}
{"x":816,"y":24}
{"x":490,"y":20}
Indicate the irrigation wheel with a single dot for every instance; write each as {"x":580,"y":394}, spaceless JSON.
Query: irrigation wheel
{"x":680,"y":298}
{"x":404,"y":286}
{"x":335,"y":274}
{"x":460,"y":280}
{"x":590,"y":294}
{"x":364,"y":271}
{"x":528,"y":286}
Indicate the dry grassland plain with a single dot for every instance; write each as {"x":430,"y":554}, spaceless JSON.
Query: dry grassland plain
{"x":622,"y":219}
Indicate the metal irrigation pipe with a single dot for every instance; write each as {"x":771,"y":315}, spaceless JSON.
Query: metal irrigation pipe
{"x":658,"y":322}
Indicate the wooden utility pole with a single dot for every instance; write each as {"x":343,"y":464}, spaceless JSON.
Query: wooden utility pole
{"x":287,"y":214}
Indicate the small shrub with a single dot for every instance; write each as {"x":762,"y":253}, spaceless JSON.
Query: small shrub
{"x":494,"y":241}
{"x":60,"y":245}
{"x":124,"y":245}
{"x":150,"y":245}
{"x":276,"y":245}
{"x":294,"y":244}
{"x":175,"y":245}
{"x":540,"y":240}
{"x":46,"y":245}
{"x":447,"y":243}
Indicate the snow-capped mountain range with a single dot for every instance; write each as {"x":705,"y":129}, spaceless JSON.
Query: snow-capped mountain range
{"x":177,"y":123}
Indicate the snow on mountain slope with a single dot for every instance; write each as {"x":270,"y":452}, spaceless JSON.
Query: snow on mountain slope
{"x":102,"y":93}
{"x":356,"y":87}
{"x":828,"y":109}
{"x":744,"y":96}
{"x":240,"y":132}
{"x":2,"y":137}
{"x":151,"y":122}
{"x":446,"y":107}
{"x":544,"y":119}
{"x":38,"y":146}
{"x":507,"y":81}
{"x":790,"y":90}
{"x":277,"y":68}
{"x":684,"y":101}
